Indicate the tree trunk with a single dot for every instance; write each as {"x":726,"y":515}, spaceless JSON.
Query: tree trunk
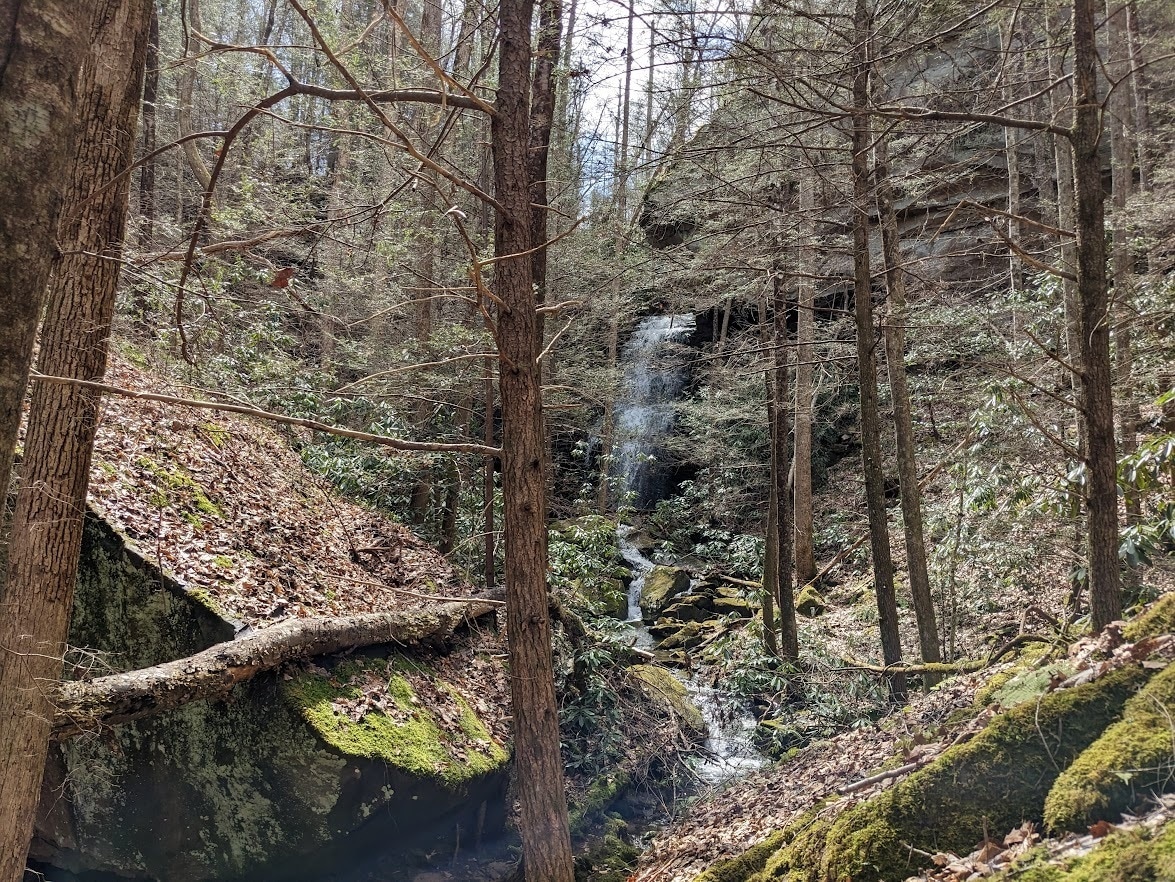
{"x":47,"y":524}
{"x":546,"y":841}
{"x":895,"y":352}
{"x":81,"y":707}
{"x":1098,"y":401}
{"x":1060,"y":100}
{"x":1118,"y":69}
{"x":891,"y":647}
{"x":789,"y":641}
{"x":147,"y":172}
{"x":42,"y":45}
{"x":805,"y":367}
{"x":1013,"y":65}
{"x":771,"y":537}
{"x":187,"y":86}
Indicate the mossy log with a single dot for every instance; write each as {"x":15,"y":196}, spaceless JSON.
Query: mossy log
{"x":993,"y":782}
{"x":119,"y":698}
{"x":1131,"y":758}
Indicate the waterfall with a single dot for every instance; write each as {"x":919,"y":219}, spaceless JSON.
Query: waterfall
{"x":653,"y":379}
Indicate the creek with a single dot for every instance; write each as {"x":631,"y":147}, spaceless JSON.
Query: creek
{"x":654,"y":380}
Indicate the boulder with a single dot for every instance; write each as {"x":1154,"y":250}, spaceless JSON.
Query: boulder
{"x":687,"y":612}
{"x":662,"y":585}
{"x":725,"y":606}
{"x":809,"y":602}
{"x":661,"y":687}
{"x":686,"y":637}
{"x":292,"y":774}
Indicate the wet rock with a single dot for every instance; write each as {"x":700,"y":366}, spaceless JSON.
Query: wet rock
{"x":686,"y":637}
{"x":662,"y":585}
{"x":674,"y":658}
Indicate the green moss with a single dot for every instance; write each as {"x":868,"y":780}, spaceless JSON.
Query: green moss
{"x":1131,"y":758}
{"x":597,"y":799}
{"x":215,"y":433}
{"x":177,"y":488}
{"x":741,"y":868}
{"x":1159,"y":618}
{"x":1027,"y":662}
{"x":809,"y":602}
{"x":661,"y":686}
{"x":407,"y":736}
{"x":1129,"y":856}
{"x":993,"y":782}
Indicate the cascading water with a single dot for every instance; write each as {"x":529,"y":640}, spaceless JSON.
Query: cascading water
{"x":653,"y":380}
{"x":644,"y":416}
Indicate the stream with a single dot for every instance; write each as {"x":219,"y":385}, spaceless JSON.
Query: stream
{"x":728,"y":752}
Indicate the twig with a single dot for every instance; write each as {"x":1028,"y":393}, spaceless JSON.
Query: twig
{"x":881,"y":776}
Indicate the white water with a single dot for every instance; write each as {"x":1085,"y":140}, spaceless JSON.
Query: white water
{"x":729,"y":751}
{"x":653,"y":380}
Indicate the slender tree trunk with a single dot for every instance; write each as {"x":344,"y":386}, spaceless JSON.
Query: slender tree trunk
{"x":771,"y":538}
{"x":1101,"y":454}
{"x":789,"y":641}
{"x":805,"y":358}
{"x":187,"y":86}
{"x":891,"y":647}
{"x":490,"y":538}
{"x":1061,"y":105}
{"x":546,"y":842}
{"x":895,"y":351}
{"x":43,"y":43}
{"x":150,"y":98}
{"x":1013,"y":68}
{"x":47,"y":524}
{"x":1119,"y":114}
{"x":1140,"y":95}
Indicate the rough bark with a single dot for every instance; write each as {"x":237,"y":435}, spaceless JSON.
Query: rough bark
{"x":47,"y":524}
{"x":805,"y":357}
{"x":891,"y":647}
{"x":895,"y":357}
{"x":40,"y":45}
{"x":1101,"y":453}
{"x":150,"y":98}
{"x":789,"y":641}
{"x":81,"y":707}
{"x":546,"y":841}
{"x":1119,"y":120}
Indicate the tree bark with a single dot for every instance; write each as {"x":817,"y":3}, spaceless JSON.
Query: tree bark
{"x":789,"y":641}
{"x":47,"y":524}
{"x":1097,"y":385}
{"x":81,"y":706}
{"x":891,"y":647}
{"x":150,"y":99}
{"x":895,"y":357}
{"x":546,"y":841}
{"x":805,"y":358}
{"x":42,"y":44}
{"x":1119,"y":118}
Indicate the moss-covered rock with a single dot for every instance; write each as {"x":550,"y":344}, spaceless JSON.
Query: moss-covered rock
{"x":993,"y":782}
{"x":662,"y":586}
{"x":809,"y":602}
{"x":725,"y":606}
{"x":660,"y":686}
{"x":271,"y":783}
{"x":1132,"y":758}
{"x":1158,"y":618}
{"x":406,"y":734}
{"x":1128,"y":856}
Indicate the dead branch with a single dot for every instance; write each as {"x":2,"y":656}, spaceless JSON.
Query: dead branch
{"x":212,"y":674}
{"x":257,"y":413}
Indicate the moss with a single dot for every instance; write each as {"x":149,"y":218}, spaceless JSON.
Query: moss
{"x":406,"y":737}
{"x":1131,"y":758}
{"x":216,"y":433}
{"x":597,"y":799}
{"x":993,"y":782}
{"x":177,"y":487}
{"x":1138,"y":855}
{"x":809,"y":602}
{"x":741,"y":868}
{"x":661,"y":686}
{"x":1158,"y":618}
{"x":1027,"y":662}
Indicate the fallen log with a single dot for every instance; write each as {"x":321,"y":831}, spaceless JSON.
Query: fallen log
{"x":86,"y":706}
